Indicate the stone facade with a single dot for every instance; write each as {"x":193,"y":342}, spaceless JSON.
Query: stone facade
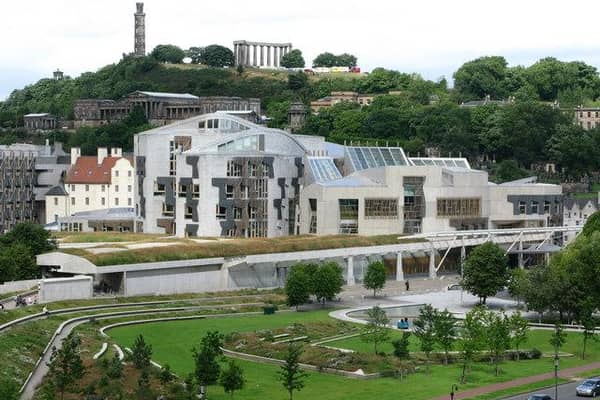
{"x":337,"y":97}
{"x":259,"y":54}
{"x":27,"y":172}
{"x":139,"y":31}
{"x":160,"y":108}
{"x":587,"y":118}
{"x":296,"y":116}
{"x":40,"y":122}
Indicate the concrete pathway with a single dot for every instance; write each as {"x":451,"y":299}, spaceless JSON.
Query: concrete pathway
{"x":565,"y":373}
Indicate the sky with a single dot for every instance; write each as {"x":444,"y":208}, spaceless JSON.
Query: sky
{"x":429,"y":37}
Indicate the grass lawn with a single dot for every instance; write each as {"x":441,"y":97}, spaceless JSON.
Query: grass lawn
{"x":172,"y":343}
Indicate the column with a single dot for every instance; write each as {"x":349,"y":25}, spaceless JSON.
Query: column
{"x":463,"y":257}
{"x":254,"y":59}
{"x":432,"y":271}
{"x":247,"y":61}
{"x":262,"y":55}
{"x":276,"y":56}
{"x":399,"y":267}
{"x":235,"y":54}
{"x":350,"y":271}
{"x":521,"y":261}
{"x":269,"y":56}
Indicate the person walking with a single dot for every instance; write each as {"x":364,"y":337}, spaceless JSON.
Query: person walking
{"x":407,"y":285}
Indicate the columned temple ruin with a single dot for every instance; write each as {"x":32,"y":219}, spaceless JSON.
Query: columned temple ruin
{"x":259,"y":54}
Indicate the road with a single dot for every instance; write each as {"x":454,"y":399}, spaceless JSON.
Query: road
{"x":565,"y":392}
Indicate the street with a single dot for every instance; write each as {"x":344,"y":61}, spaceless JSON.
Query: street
{"x":565,"y":392}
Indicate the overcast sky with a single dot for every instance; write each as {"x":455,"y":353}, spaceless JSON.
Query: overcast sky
{"x":430,"y":37}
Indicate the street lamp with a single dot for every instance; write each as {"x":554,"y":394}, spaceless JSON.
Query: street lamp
{"x":556,"y":376}
{"x":454,"y":388}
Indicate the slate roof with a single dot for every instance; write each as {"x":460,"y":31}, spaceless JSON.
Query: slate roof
{"x":87,"y":170}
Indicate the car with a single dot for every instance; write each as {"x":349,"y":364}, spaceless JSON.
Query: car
{"x":589,"y":387}
{"x":539,"y":397}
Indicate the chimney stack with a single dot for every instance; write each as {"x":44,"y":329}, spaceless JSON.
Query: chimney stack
{"x":102,"y":154}
{"x":75,"y":154}
{"x":116,"y":152}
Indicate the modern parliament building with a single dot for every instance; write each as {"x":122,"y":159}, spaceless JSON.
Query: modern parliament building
{"x":220,"y":175}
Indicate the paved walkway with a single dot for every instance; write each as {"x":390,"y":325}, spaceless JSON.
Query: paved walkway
{"x":565,"y":373}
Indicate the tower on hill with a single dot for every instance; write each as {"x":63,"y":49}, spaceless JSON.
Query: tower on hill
{"x":140,"y":31}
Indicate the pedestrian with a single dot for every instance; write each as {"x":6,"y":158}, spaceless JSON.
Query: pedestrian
{"x":1,"y":306}
{"x":45,"y":310}
{"x":407,"y":285}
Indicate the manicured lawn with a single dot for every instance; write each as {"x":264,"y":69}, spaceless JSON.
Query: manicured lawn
{"x":172,"y":343}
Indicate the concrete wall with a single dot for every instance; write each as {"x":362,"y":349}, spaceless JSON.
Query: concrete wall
{"x":77,"y":287}
{"x":18,"y":286}
{"x":173,"y":281}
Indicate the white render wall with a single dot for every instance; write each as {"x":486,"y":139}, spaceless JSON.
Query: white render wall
{"x":56,"y":289}
{"x":174,"y":281}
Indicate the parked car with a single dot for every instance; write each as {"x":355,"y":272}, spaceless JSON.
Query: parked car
{"x":539,"y":397}
{"x":589,"y":387}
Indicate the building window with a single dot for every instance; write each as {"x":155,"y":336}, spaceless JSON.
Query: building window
{"x":535,"y":208}
{"x":87,"y":201}
{"x":381,"y":208}
{"x":252,"y":169}
{"x":129,"y":201}
{"x":172,"y":159}
{"x":243,"y":191}
{"x":116,"y":188}
{"x":129,"y":188}
{"x":230,"y":232}
{"x":182,"y":190}
{"x":103,"y":188}
{"x":348,"y":208}
{"x":522,"y":207}
{"x":103,"y":201}
{"x":116,"y":172}
{"x":233,"y":168}
{"x":252,"y":212}
{"x":72,"y":201}
{"x":87,"y":188}
{"x":56,"y":201}
{"x":195,"y":191}
{"x":129,"y":173}
{"x":265,"y":169}
{"x":229,"y":191}
{"x":546,"y":207}
{"x":116,"y":201}
{"x":462,"y":207}
{"x":237,"y":213}
{"x":72,"y":188}
{"x":221,"y":212}
{"x":188,"y":212}
{"x":168,"y":209}
{"x":159,"y":188}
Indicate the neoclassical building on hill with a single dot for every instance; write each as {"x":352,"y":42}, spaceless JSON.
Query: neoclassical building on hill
{"x":220,"y":175}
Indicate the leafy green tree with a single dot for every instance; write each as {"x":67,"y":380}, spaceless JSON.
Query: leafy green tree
{"x":346,"y":60}
{"x":207,"y":369}
{"x":518,"y":284}
{"x":424,"y":330}
{"x":486,"y":271}
{"x":290,"y":374}
{"x":34,"y":236}
{"x":141,"y":353}
{"x":445,"y":331}
{"x":65,"y":366}
{"x":194,"y":53}
{"x":509,"y":170}
{"x":325,"y":60}
{"x":519,"y":329}
{"x":558,"y":339}
{"x":168,"y":53}
{"x":327,"y":281}
{"x":592,"y":224}
{"x":375,"y":277}
{"x":481,"y":77}
{"x":471,"y":339}
{"x":401,"y":346}
{"x":216,"y":56}
{"x":277,"y":111}
{"x":297,"y":81}
{"x":293,"y":59}
{"x":115,"y":368}
{"x":376,"y":330}
{"x":297,"y":287}
{"x":589,"y":328}
{"x":497,"y":336}
{"x":166,"y":375}
{"x":232,"y":378}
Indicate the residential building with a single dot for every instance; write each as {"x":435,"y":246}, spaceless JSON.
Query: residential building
{"x":93,"y":183}
{"x":27,"y":172}
{"x":338,"y":97}
{"x":577,"y":211}
{"x":587,"y":117}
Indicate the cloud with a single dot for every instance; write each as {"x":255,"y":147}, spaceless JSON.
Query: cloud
{"x":431,"y":37}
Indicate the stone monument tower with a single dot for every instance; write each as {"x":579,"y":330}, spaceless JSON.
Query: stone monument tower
{"x":140,"y":31}
{"x":296,"y":116}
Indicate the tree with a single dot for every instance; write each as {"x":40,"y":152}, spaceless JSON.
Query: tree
{"x":471,"y":339}
{"x":481,"y":77}
{"x":194,"y":53}
{"x":486,"y":271}
{"x":216,"y":56}
{"x":168,"y":53}
{"x":115,"y":368}
{"x":517,"y":284}
{"x":166,"y":375}
{"x":376,"y":330}
{"x":424,"y":330}
{"x":290,"y":375}
{"x":497,"y":336}
{"x":34,"y":236}
{"x":297,"y":81}
{"x":589,"y":329}
{"x":141,"y":353}
{"x":519,"y":328}
{"x":293,"y":59}
{"x":297,"y":287}
{"x":325,"y":60}
{"x":375,"y":277}
{"x":508,"y":170}
{"x":445,"y":331}
{"x":401,"y":346}
{"x":65,"y":366}
{"x":232,"y":378}
{"x":592,"y":224}
{"x":327,"y":281}
{"x":207,"y":366}
{"x":346,"y":60}
{"x":558,"y":339}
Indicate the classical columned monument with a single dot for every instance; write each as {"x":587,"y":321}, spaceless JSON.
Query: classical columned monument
{"x":139,"y":31}
{"x":259,"y":54}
